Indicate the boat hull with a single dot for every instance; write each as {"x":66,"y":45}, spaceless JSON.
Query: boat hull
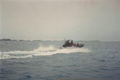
{"x":74,"y":46}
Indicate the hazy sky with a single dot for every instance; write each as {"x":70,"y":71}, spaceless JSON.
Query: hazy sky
{"x":56,"y":19}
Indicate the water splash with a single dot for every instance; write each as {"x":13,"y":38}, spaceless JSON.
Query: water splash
{"x":41,"y":51}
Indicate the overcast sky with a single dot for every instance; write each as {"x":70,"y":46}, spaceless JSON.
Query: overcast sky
{"x":56,"y":19}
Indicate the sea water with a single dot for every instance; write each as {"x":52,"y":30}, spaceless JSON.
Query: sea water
{"x":44,"y":60}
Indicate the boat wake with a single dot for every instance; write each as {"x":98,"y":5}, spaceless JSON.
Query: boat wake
{"x":41,"y":51}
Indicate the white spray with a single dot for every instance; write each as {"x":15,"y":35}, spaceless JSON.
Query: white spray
{"x":41,"y":51}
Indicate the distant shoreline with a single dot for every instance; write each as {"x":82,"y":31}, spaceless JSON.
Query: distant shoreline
{"x":17,"y":40}
{"x":44,"y":40}
{"x":7,"y":39}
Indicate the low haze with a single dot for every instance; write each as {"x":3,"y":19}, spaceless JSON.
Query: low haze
{"x":72,"y":19}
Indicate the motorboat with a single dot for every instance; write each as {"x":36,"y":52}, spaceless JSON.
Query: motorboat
{"x":67,"y":44}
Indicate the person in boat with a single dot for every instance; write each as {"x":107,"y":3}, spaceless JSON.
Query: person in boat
{"x":71,"y":42}
{"x":66,"y":44}
{"x":77,"y":44}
